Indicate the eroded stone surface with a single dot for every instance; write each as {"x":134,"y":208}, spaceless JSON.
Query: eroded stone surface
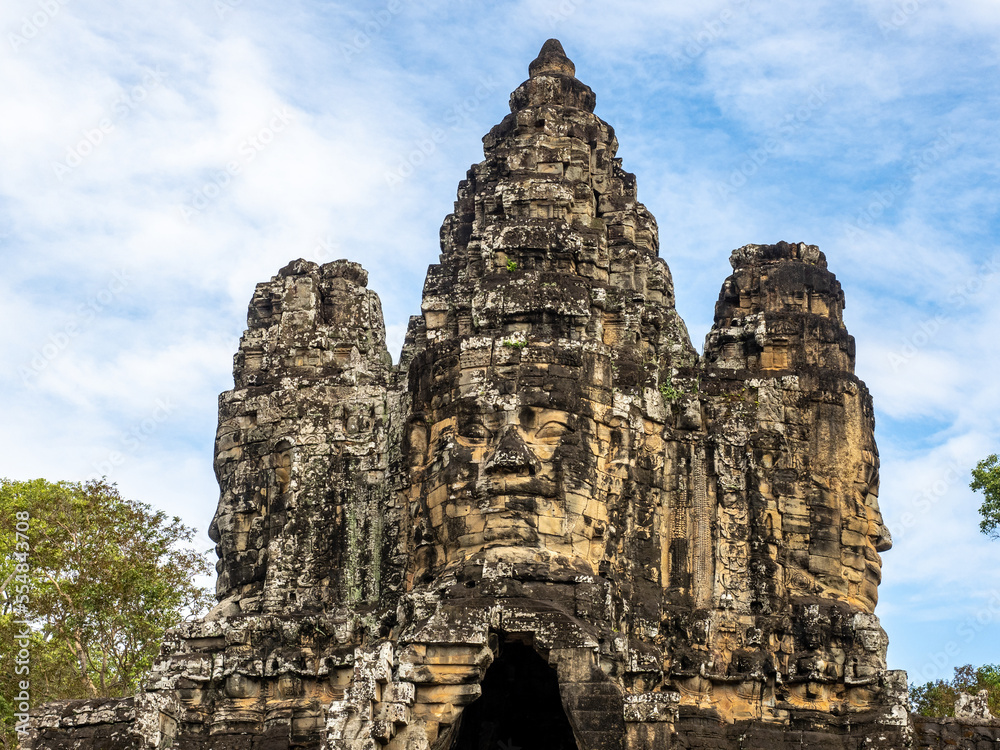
{"x":975,"y":707}
{"x":552,"y":497}
{"x":301,"y":452}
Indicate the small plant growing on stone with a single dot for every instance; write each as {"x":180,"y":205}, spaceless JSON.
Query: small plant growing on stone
{"x":669,"y":392}
{"x":511,"y":266}
{"x":743,"y":396}
{"x":514,"y":344}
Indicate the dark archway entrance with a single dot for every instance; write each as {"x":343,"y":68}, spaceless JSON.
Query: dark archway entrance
{"x":519,"y":709}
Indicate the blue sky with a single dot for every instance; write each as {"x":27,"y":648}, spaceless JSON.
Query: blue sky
{"x":155,"y":164}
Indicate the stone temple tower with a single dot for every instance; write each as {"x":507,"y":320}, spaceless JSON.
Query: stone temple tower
{"x":553,"y":524}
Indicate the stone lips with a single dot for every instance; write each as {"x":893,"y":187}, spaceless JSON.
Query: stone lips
{"x":677,"y":551}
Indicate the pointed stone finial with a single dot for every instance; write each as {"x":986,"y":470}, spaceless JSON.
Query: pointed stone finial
{"x":552,"y":82}
{"x":552,"y":59}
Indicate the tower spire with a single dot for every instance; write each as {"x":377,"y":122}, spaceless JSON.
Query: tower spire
{"x":551,"y":60}
{"x":552,"y":81}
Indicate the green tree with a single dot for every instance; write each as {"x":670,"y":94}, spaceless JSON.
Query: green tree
{"x":935,"y":698}
{"x":938,"y":698}
{"x":97,"y":579}
{"x":986,"y":479}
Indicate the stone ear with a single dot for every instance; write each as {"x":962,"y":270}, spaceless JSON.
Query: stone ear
{"x":417,"y":438}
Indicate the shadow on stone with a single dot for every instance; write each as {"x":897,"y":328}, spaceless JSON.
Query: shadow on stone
{"x":519,"y":707}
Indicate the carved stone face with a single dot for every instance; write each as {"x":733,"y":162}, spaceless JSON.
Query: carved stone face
{"x":840,"y":559}
{"x":877,"y":537}
{"x":515,"y":471}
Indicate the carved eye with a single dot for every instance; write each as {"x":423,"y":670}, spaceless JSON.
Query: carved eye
{"x":474,"y":432}
{"x":552,"y":431}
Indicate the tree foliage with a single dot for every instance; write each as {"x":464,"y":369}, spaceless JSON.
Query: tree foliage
{"x":96,"y":580}
{"x":938,"y":698}
{"x":986,"y":479}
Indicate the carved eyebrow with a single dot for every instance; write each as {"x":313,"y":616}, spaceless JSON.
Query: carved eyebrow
{"x":552,"y":429}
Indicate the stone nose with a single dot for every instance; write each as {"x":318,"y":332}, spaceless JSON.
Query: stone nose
{"x":511,"y":456}
{"x":883,"y":542}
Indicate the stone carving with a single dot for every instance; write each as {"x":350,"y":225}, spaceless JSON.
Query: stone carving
{"x":300,"y":451}
{"x":552,"y":524}
{"x":974,"y":707}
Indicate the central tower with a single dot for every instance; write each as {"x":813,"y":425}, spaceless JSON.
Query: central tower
{"x":549,"y":305}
